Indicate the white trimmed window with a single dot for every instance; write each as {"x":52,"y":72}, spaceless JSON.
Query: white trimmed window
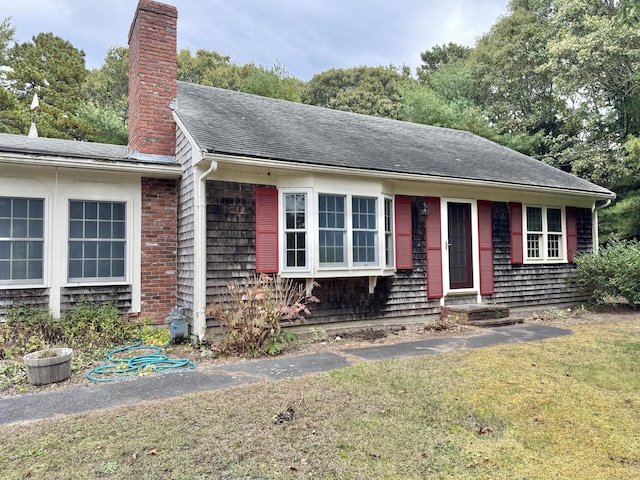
{"x":365,"y":231}
{"x":21,"y":240}
{"x":335,"y":233}
{"x":97,"y":240}
{"x":388,"y":233}
{"x":544,"y":227}
{"x":332,"y":230}
{"x":295,"y":231}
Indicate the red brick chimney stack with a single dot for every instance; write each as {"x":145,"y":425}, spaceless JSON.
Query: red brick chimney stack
{"x":152,"y":80}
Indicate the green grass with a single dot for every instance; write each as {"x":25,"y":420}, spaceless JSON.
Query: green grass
{"x":567,"y":408}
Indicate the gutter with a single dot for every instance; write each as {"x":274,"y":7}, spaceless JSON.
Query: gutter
{"x":310,"y":168}
{"x":161,"y":171}
{"x":199,"y":326}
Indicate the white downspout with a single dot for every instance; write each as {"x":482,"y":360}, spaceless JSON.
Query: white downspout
{"x":200,"y":251}
{"x":595,"y":233}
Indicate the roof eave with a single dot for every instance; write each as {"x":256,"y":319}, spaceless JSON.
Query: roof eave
{"x":114,"y":165}
{"x":324,"y":169}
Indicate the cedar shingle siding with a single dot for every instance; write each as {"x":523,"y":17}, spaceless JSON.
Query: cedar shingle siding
{"x":28,"y":297}
{"x":529,"y":285}
{"x":118,"y":295}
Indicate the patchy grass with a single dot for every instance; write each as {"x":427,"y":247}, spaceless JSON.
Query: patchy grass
{"x":563,"y":408}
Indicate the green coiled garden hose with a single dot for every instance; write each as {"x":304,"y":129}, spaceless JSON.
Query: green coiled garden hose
{"x":114,"y":368}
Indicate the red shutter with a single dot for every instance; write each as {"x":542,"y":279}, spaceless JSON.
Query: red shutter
{"x":434,"y":249}
{"x":572,"y":233}
{"x":485,"y":244}
{"x":515,"y":222}
{"x":266,"y":230}
{"x":403,"y":234}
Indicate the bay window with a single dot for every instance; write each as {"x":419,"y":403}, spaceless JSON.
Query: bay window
{"x":336,"y":233}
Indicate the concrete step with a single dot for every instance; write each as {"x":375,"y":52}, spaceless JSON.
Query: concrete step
{"x":497,"y":322}
{"x":473,"y":312}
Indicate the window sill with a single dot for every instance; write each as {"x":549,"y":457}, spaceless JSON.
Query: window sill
{"x":341,"y":273}
{"x":22,"y":286}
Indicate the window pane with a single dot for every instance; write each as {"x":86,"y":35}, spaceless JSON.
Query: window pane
{"x":75,"y":269}
{"x":119,"y":230}
{"x":75,"y":229}
{"x":104,"y":249}
{"x":117,"y":250}
{"x":19,"y":228}
{"x":19,"y":270}
{"x":5,"y":207}
{"x":117,"y":268}
{"x":91,"y":210}
{"x":104,"y":211}
{"x":20,"y":207}
{"x":35,"y":229}
{"x":554,"y":220}
{"x":91,"y":229}
{"x":5,"y":227}
{"x":104,"y":268}
{"x":119,"y":211}
{"x":534,"y":219}
{"x":90,"y":269}
{"x":76,"y":210}
{"x":533,"y":246}
{"x":36,"y":208}
{"x":90,"y":250}
{"x":36,"y":250}
{"x":5,"y":250}
{"x":19,"y":251}
{"x":105,"y":229}
{"x":553,"y":246}
{"x":75,"y":249}
{"x":35,"y":270}
{"x":5,"y":270}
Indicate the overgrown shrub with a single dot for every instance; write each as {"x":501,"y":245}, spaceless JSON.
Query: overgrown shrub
{"x":88,"y":327}
{"x":252,"y":312}
{"x":613,"y":272}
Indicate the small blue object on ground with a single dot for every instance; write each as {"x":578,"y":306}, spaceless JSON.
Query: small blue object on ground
{"x":115,"y":368}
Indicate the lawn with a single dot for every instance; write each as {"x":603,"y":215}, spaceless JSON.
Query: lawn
{"x":563,"y":408}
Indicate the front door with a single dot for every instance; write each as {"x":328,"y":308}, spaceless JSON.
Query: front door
{"x":459,"y":245}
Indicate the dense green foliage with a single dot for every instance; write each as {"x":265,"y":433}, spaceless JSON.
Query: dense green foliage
{"x":612,"y":273}
{"x":87,"y":326}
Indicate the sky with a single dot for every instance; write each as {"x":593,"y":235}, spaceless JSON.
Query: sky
{"x":303,"y":36}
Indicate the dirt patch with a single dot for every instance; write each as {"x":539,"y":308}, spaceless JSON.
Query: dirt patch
{"x":335,"y":340}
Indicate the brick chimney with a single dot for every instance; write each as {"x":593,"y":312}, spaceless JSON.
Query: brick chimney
{"x":152,"y":81}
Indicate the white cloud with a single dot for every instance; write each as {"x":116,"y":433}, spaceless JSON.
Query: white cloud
{"x":306,"y":36}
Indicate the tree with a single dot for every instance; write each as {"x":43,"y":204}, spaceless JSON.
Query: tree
{"x":55,"y":70}
{"x":6,"y":38}
{"x":212,"y":69}
{"x":594,"y":59}
{"x":108,"y":86}
{"x":509,"y":84}
{"x":368,"y":90}
{"x":441,"y":55}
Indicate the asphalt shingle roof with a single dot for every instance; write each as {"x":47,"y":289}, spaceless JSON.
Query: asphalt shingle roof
{"x":62,"y":148}
{"x":234,"y":123}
